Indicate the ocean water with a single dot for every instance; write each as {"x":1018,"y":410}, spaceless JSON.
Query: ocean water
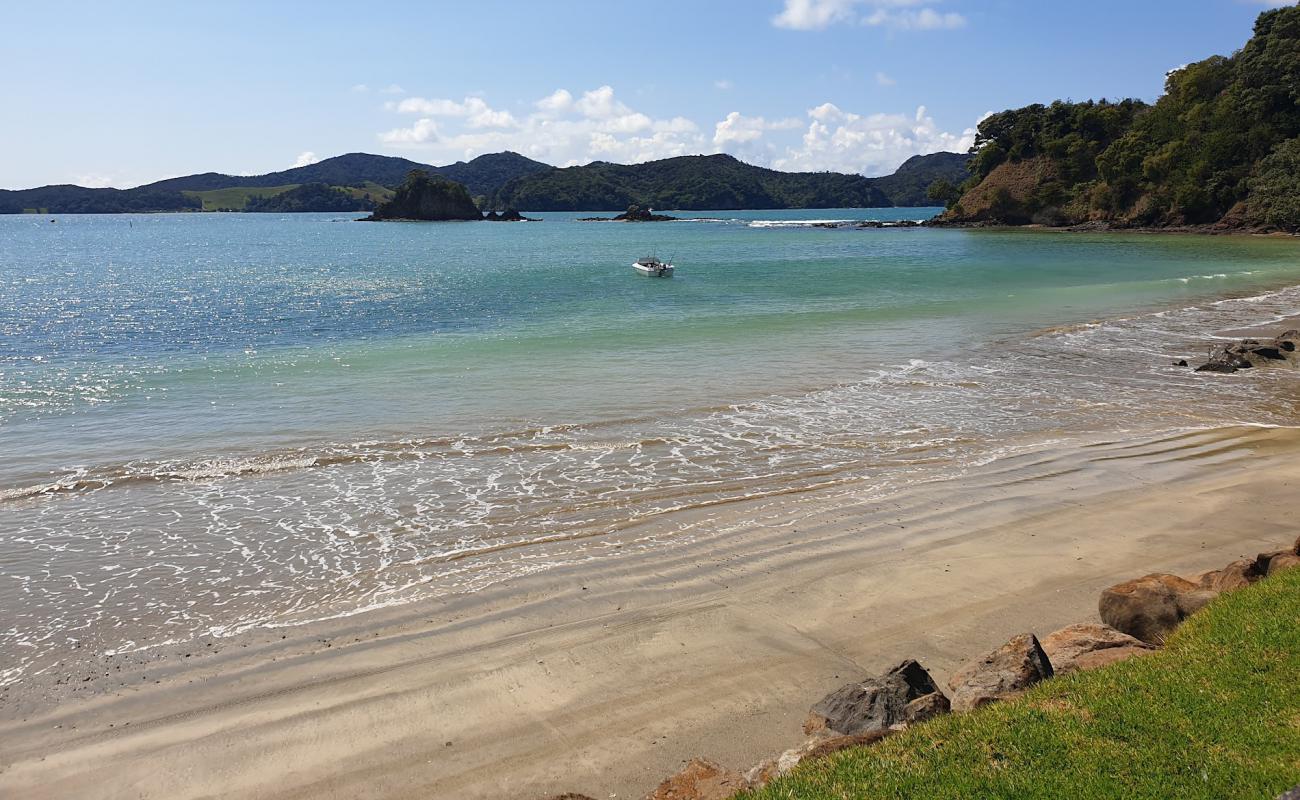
{"x":212,"y":423}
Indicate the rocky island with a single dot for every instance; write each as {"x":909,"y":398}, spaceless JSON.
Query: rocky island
{"x":427,"y":198}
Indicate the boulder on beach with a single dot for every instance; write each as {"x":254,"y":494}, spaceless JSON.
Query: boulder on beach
{"x":1003,"y":673}
{"x":1232,"y":577}
{"x":904,"y":694}
{"x":1150,"y":607}
{"x":1089,"y":645}
{"x":701,"y":779}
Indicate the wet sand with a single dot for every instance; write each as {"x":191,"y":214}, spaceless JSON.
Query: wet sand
{"x":604,"y":677}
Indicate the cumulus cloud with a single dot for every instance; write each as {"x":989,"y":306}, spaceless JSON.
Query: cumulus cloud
{"x":563,"y":128}
{"x":872,"y":144}
{"x":305,"y":158}
{"x":812,"y":15}
{"x":567,"y":128}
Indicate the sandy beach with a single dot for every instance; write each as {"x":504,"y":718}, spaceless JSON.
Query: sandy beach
{"x":602,"y":678}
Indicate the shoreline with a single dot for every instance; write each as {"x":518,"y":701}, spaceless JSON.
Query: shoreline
{"x":603,"y":677}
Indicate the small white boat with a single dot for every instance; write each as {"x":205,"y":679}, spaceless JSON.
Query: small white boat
{"x":652,"y":267}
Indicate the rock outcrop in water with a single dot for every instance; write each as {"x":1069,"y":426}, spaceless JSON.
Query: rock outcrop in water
{"x":634,"y":213}
{"x":427,"y":198}
{"x":1250,"y":353}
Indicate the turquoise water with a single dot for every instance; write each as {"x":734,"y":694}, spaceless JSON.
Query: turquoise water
{"x":215,"y":422}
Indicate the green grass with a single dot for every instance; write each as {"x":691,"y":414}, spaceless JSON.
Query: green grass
{"x":236,"y":197}
{"x":1214,"y":715}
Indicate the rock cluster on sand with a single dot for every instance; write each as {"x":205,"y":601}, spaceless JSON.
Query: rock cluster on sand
{"x":1007,"y":671}
{"x":1137,"y":616}
{"x":1250,"y":353}
{"x":904,"y":694}
{"x":1088,"y":645}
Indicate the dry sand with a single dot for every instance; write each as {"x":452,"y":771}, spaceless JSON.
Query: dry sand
{"x":602,"y":678}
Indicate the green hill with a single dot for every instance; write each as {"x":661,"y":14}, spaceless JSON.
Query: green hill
{"x":1220,"y":147}
{"x":718,"y":182}
{"x":911,"y":182}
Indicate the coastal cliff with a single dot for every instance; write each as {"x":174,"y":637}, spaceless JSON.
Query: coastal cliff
{"x":1219,"y":151}
{"x":427,"y":198}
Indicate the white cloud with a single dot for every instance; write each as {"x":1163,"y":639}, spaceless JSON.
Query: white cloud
{"x":392,"y":88}
{"x":563,"y":129}
{"x":884,"y":80}
{"x":811,"y":15}
{"x":476,"y":112}
{"x":93,"y":180}
{"x":740,"y":129}
{"x":305,"y":158}
{"x":567,"y":128}
{"x":424,"y":130}
{"x":872,"y":144}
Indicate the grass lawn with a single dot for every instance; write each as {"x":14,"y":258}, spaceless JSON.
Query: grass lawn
{"x":1216,"y":714}
{"x":236,"y":197}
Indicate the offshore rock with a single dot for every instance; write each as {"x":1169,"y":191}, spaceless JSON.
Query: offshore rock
{"x":427,"y":198}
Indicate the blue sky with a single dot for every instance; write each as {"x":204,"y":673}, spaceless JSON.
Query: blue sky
{"x":124,"y":93}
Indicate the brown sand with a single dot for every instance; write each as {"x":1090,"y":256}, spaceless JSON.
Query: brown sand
{"x":604,"y":678}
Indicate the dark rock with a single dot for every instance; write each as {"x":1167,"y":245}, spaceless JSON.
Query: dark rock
{"x":1005,"y":672}
{"x":1290,"y":794}
{"x":1182,"y":362}
{"x":636,"y":213}
{"x":878,"y":702}
{"x":1150,"y":607}
{"x":1088,"y":645}
{"x":700,"y":780}
{"x":427,"y":198}
{"x":509,"y":215}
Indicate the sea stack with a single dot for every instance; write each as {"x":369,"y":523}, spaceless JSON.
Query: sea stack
{"x":427,"y":198}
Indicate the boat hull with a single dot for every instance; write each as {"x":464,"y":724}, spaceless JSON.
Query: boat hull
{"x":664,"y":271}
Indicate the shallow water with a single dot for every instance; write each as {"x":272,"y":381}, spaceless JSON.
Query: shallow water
{"x":215,"y":422}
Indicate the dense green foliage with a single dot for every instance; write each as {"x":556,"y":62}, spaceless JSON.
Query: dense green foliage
{"x":910,"y":184}
{"x":79,"y":200}
{"x":1201,"y":149}
{"x":309,"y":197}
{"x":688,"y":182}
{"x":1275,"y":188}
{"x":1214,"y":715}
{"x":486,"y":174}
{"x":428,"y":198}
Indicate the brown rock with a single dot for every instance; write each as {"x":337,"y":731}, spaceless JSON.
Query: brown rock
{"x":1282,"y":561}
{"x":926,"y":706}
{"x":1009,"y":670}
{"x":1065,"y":647}
{"x":808,"y":751}
{"x":700,"y":780}
{"x":1150,"y":607}
{"x":877,"y":702}
{"x":1230,"y":578}
{"x":1111,"y":655}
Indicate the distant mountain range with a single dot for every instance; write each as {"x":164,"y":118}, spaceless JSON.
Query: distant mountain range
{"x":509,"y":180}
